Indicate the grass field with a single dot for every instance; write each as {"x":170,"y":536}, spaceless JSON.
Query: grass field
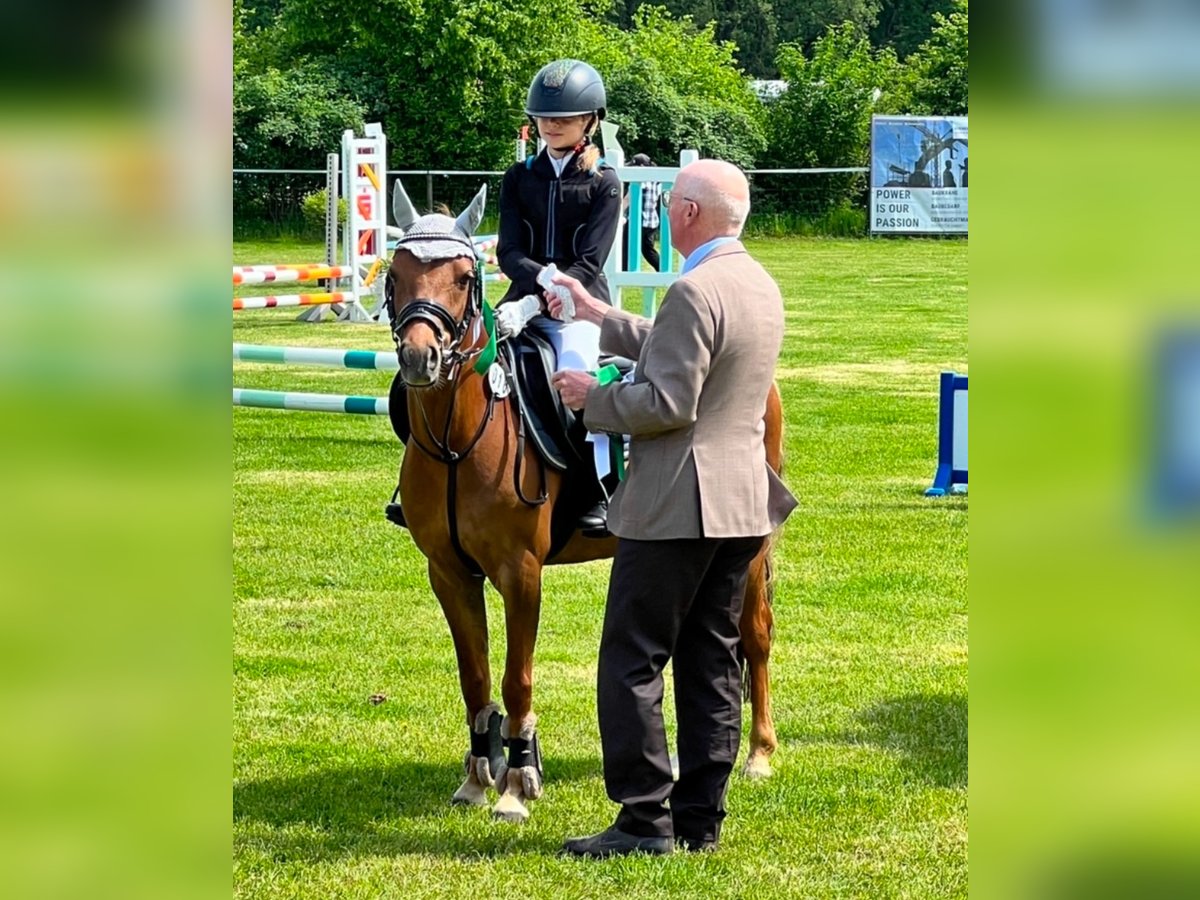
{"x":336,"y":796}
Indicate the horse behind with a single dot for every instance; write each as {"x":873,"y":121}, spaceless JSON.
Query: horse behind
{"x":478,"y":507}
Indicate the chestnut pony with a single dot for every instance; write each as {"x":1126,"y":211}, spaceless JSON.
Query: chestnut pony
{"x":466,"y":488}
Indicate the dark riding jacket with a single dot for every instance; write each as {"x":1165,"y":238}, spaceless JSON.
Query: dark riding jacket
{"x":569,"y":221}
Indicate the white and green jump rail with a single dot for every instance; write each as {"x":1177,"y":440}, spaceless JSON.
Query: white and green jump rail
{"x":313,"y":356}
{"x":316,"y":356}
{"x":334,"y":403}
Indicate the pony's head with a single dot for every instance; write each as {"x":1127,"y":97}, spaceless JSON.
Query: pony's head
{"x":434,"y":290}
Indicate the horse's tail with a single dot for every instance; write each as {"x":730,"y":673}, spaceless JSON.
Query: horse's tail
{"x":773,"y":440}
{"x":773,"y":430}
{"x":769,"y":599}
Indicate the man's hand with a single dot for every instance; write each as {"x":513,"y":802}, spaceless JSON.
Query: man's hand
{"x":587,"y":307}
{"x":573,"y":385}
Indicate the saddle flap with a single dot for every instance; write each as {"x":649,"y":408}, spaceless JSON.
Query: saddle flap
{"x":531,"y":360}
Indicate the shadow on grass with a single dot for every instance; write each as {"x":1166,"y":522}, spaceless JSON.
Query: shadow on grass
{"x":929,"y":731}
{"x":386,"y":810}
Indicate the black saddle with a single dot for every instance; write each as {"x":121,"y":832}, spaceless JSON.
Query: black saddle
{"x":530,"y":361}
{"x":556,"y":432}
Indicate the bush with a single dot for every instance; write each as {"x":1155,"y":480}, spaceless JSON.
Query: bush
{"x":284,"y":120}
{"x":824,"y":117}
{"x":680,"y":88}
{"x":936,"y":76}
{"x":312,"y":209}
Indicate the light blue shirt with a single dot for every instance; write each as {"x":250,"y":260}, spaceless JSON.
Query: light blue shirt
{"x":697,"y":256}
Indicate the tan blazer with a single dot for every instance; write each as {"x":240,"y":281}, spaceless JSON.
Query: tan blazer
{"x":694,"y":409}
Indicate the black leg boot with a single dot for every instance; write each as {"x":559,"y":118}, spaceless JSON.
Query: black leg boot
{"x":485,"y":759}
{"x":521,"y":778}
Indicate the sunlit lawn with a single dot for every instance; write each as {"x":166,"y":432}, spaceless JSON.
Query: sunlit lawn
{"x":337,"y":797}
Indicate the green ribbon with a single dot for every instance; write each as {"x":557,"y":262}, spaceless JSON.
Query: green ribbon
{"x":608,"y":375}
{"x":488,"y":355}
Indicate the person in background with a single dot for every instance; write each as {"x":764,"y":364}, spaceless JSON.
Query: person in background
{"x":651,"y":195}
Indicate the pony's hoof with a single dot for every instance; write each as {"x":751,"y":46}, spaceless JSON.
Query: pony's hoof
{"x":472,"y":793}
{"x":758,"y":767}
{"x":509,"y":808}
{"x":511,"y":805}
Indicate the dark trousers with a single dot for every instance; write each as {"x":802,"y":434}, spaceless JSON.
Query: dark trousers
{"x":649,"y":236}
{"x":649,"y":252}
{"x":679,"y":599}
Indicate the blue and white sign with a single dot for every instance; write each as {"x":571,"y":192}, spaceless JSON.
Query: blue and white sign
{"x":1176,"y":473}
{"x":919,"y":175}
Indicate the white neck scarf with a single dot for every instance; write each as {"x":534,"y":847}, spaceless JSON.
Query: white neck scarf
{"x":560,"y":164}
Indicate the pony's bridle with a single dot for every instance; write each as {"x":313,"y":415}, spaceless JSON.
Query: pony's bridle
{"x":451,"y":334}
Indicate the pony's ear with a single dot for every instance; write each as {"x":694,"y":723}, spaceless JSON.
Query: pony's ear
{"x":402,"y":208}
{"x":468,"y":220}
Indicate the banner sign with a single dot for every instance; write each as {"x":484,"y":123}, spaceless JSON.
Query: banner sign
{"x":919,"y":175}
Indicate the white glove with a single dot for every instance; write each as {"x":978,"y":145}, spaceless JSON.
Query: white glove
{"x":545,"y":279}
{"x":512,"y":317}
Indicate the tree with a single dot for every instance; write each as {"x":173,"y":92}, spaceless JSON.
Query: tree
{"x":936,"y":82}
{"x":285,"y":120}
{"x":447,"y":78}
{"x":904,"y":24}
{"x":680,"y":87}
{"x":750,"y":25}
{"x":823,"y":119}
{"x":803,"y":22}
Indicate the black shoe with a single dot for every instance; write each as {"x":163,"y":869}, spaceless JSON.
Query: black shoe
{"x":614,"y":842}
{"x":395,"y":515}
{"x":695,"y":845}
{"x":594,"y":522}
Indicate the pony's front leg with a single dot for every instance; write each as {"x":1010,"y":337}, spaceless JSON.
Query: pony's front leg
{"x":757,"y":626}
{"x":461,"y":598}
{"x":521,"y":778}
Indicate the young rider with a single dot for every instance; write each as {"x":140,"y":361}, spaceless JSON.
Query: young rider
{"x":560,"y":207}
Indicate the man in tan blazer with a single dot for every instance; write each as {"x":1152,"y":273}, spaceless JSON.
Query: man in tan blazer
{"x":695,"y":509}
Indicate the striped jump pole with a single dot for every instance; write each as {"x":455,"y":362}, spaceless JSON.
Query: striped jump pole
{"x":315,"y":356}
{"x":275,"y":267}
{"x":292,"y":273}
{"x":291,"y":300}
{"x":334,"y":403}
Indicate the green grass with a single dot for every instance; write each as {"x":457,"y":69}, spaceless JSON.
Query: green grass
{"x":336,"y":797}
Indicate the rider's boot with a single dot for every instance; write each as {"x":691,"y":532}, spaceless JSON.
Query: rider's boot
{"x":398,"y":415}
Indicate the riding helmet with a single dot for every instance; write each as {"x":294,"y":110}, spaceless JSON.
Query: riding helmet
{"x":566,"y":87}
